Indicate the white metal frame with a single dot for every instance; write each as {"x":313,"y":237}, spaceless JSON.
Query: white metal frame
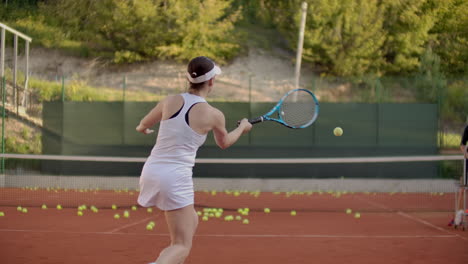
{"x":27,"y":40}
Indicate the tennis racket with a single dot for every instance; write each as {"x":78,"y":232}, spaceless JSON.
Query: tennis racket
{"x":298,"y":108}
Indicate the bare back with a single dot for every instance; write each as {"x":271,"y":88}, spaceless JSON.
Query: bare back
{"x":200,"y":117}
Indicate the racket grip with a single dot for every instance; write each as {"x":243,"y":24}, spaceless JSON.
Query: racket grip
{"x":256,"y":120}
{"x":253,"y":121}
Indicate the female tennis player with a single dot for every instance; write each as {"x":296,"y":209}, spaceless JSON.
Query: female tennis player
{"x":166,"y":178}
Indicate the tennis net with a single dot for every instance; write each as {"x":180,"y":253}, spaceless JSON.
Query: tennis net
{"x":368,"y":184}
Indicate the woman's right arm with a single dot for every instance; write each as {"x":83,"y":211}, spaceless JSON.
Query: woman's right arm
{"x":222,"y":137}
{"x":151,"y":119}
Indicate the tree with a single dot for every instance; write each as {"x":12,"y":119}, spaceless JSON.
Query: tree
{"x":143,"y":29}
{"x":407,"y":25}
{"x":451,"y":42}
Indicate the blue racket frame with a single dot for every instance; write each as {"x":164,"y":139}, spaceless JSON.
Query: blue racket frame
{"x":277,"y":109}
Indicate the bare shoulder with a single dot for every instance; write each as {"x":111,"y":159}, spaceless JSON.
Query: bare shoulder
{"x":214,"y":112}
{"x":171,"y":99}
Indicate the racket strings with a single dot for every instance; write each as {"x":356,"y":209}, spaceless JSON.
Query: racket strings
{"x":298,"y":109}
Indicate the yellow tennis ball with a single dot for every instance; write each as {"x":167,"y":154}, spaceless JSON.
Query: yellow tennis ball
{"x":245,"y":221}
{"x":126,"y":214}
{"x":116,"y":216}
{"x":2,"y":214}
{"x":59,"y":207}
{"x":293,"y":213}
{"x":149,"y":227}
{"x":114,"y":207}
{"x":134,"y":208}
{"x":152,"y":223}
{"x":19,"y":208}
{"x":338,"y":131}
{"x":357,"y":215}
{"x":24,"y":210}
{"x":349,"y":211}
{"x":79,"y":213}
{"x":149,"y":210}
{"x":267,"y":210}
{"x":205,"y":218}
{"x":44,"y":207}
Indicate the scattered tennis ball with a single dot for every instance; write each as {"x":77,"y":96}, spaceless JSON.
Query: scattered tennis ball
{"x":357,"y":215}
{"x":24,"y":210}
{"x":59,"y":207}
{"x":338,"y":131}
{"x":19,"y":208}
{"x":79,"y":213}
{"x":126,"y":214}
{"x":114,"y":207}
{"x":149,"y":227}
{"x":44,"y":207}
{"x":149,"y":210}
{"x":266,"y":210}
{"x":293,"y":213}
{"x":218,"y":214}
{"x":205,"y":218}
{"x":116,"y":216}
{"x":152,"y":223}
{"x":199,"y":213}
{"x":134,"y":208}
{"x":2,"y":214}
{"x":238,"y":217}
{"x":349,"y":211}
{"x":245,"y":221}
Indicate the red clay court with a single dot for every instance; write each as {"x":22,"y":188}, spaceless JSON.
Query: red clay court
{"x":393,"y":228}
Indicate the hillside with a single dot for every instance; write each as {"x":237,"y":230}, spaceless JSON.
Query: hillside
{"x":269,"y":73}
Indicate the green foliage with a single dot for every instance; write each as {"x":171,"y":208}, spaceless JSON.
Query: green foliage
{"x":203,"y":28}
{"x":78,"y":90}
{"x":430,"y":81}
{"x":452,"y":36}
{"x":407,"y":26}
{"x":24,"y":142}
{"x":146,"y":29}
{"x":342,"y":37}
{"x":455,"y":102}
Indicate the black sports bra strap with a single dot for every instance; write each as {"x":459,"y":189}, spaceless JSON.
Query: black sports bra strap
{"x":178,"y":112}
{"x":188,"y":111}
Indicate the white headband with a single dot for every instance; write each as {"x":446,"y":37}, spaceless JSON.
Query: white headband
{"x":205,"y":77}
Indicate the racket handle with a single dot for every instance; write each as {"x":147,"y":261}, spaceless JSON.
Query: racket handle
{"x":253,"y":121}
{"x":256,"y":120}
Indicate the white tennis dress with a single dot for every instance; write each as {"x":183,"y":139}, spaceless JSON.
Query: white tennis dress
{"x":166,"y":178}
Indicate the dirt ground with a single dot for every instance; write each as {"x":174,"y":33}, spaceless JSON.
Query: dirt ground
{"x":268,"y":74}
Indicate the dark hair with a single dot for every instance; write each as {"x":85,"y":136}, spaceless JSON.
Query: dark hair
{"x":197,"y":67}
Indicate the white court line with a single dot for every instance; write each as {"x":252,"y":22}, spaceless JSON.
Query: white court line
{"x":241,"y":235}
{"x":130,"y":225}
{"x":413,"y":218}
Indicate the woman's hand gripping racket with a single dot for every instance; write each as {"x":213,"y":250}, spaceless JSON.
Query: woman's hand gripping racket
{"x":298,"y":108}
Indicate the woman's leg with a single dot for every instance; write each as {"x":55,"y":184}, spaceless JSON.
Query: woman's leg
{"x":182,"y":224}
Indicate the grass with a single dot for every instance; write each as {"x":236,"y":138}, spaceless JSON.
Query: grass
{"x":449,"y":140}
